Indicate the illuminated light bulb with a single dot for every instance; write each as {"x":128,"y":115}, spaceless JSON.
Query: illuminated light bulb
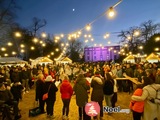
{"x":89,"y":36}
{"x":5,"y":54}
{"x":55,"y":41}
{"x":126,"y":45}
{"x":140,"y":47}
{"x":62,"y":44}
{"x":9,"y":44}
{"x":100,"y":45}
{"x":104,"y":37}
{"x":32,"y":48}
{"x":88,"y":27}
{"x":67,"y":44}
{"x":22,"y":51}
{"x":107,"y":35}
{"x":86,"y":41}
{"x":57,"y":37}
{"x":65,"y":48}
{"x":137,"y":33}
{"x":62,"y":35}
{"x":35,"y":40}
{"x":57,"y":49}
{"x":157,"y":39}
{"x":48,"y":56}
{"x":92,"y":39}
{"x":13,"y":53}
{"x":22,"y":45}
{"x":85,"y":35}
{"x":3,"y":49}
{"x":95,"y":44}
{"x":44,"y":35}
{"x":129,"y":38}
{"x":111,"y":12}
{"x":52,"y":53}
{"x":69,"y":38}
{"x":115,"y":51}
{"x":18,"y":34}
{"x":79,"y":32}
{"x":109,"y":42}
{"x":156,"y":49}
{"x":43,"y":44}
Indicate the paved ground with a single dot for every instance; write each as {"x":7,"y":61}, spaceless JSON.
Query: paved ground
{"x":28,"y":102}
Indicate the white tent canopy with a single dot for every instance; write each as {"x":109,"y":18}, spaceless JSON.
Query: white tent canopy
{"x":130,"y":59}
{"x":153,"y":58}
{"x":64,"y":60}
{"x":41,"y":60}
{"x":11,"y":60}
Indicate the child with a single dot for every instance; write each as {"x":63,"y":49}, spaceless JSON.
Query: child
{"x":137,"y":107}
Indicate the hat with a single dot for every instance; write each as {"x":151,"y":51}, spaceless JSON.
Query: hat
{"x":49,"y":78}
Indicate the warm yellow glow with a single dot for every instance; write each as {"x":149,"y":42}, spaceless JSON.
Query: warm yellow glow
{"x":35,"y":40}
{"x":62,"y":44}
{"x":13,"y":53}
{"x":67,"y":44}
{"x":111,"y":12}
{"x":3,"y":49}
{"x":62,"y":35}
{"x":43,"y":44}
{"x":126,"y":45}
{"x":92,"y":39}
{"x":65,"y":48}
{"x":130,"y":53}
{"x":86,"y":41}
{"x":69,"y":38}
{"x":141,"y":47}
{"x":52,"y":53}
{"x":109,"y":42}
{"x":136,"y":33}
{"x":22,"y":45}
{"x":78,"y":36}
{"x":32,"y":47}
{"x":89,"y":35}
{"x":85,"y":35}
{"x":5,"y":54}
{"x":48,"y":56}
{"x":88,"y":27}
{"x":100,"y":45}
{"x":22,"y":51}
{"x":9,"y":44}
{"x":157,"y":39}
{"x":107,"y":35}
{"x":115,"y":51}
{"x":57,"y":38}
{"x":95,"y":44}
{"x":18,"y":34}
{"x":122,"y":50}
{"x":55,"y":41}
{"x":129,"y":38}
{"x":57,"y":49}
{"x":44,"y":35}
{"x":156,"y":49}
{"x":79,"y":32}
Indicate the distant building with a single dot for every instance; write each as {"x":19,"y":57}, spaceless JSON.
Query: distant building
{"x":106,"y":53}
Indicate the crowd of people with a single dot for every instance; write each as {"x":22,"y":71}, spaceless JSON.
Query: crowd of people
{"x":103,"y":80}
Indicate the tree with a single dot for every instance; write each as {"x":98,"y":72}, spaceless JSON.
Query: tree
{"x":75,"y":49}
{"x":37,"y":25}
{"x":153,"y":44}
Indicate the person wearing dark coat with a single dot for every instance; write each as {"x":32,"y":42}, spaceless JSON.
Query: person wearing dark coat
{"x":40,"y":91}
{"x":97,"y":92}
{"x":80,"y":88}
{"x":51,"y":88}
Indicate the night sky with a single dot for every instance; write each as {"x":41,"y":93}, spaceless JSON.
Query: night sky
{"x":66,"y":16}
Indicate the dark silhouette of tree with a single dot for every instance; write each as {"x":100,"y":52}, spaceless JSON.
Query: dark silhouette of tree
{"x":151,"y":44}
{"x":74,"y":50}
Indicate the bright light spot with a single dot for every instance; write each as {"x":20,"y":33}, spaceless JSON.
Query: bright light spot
{"x":44,"y":35}
{"x":13,"y":53}
{"x":22,"y":51}
{"x":9,"y":44}
{"x":88,"y":27}
{"x":35,"y":40}
{"x":95,"y":44}
{"x":52,"y":53}
{"x":111,"y":12}
{"x":55,"y":41}
{"x":140,"y":47}
{"x":92,"y":39}
{"x":79,"y":32}
{"x":57,"y":37}
{"x":57,"y":49}
{"x":157,"y":39}
{"x":67,"y":44}
{"x":32,"y":48}
{"x":89,"y":36}
{"x":3,"y":49}
{"x":156,"y":49}
{"x":126,"y":45}
{"x":62,"y":35}
{"x":86,"y":41}
{"x":5,"y":54}
{"x":48,"y":56}
{"x":129,"y":37}
{"x":22,"y":45}
{"x":137,"y":33}
{"x":109,"y":42}
{"x":43,"y":44}
{"x":18,"y":34}
{"x":85,"y":35}
{"x":73,"y":9}
{"x":62,"y":44}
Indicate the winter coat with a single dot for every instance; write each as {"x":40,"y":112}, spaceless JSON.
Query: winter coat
{"x":52,"y":91}
{"x":151,"y":110}
{"x":97,"y":92}
{"x":16,"y":90}
{"x":108,"y":88}
{"x":39,"y":89}
{"x":137,"y":106}
{"x":66,"y":90}
{"x":81,"y":86}
{"x":6,"y":95}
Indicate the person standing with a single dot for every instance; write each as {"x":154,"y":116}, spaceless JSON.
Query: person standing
{"x":97,"y":92}
{"x":40,"y":91}
{"x":80,"y":88}
{"x":66,"y":93}
{"x":51,"y":88}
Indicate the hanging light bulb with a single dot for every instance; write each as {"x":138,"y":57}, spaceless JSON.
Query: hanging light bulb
{"x":88,"y":27}
{"x":111,"y":12}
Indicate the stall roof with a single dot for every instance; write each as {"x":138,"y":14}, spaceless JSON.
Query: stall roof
{"x":11,"y":60}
